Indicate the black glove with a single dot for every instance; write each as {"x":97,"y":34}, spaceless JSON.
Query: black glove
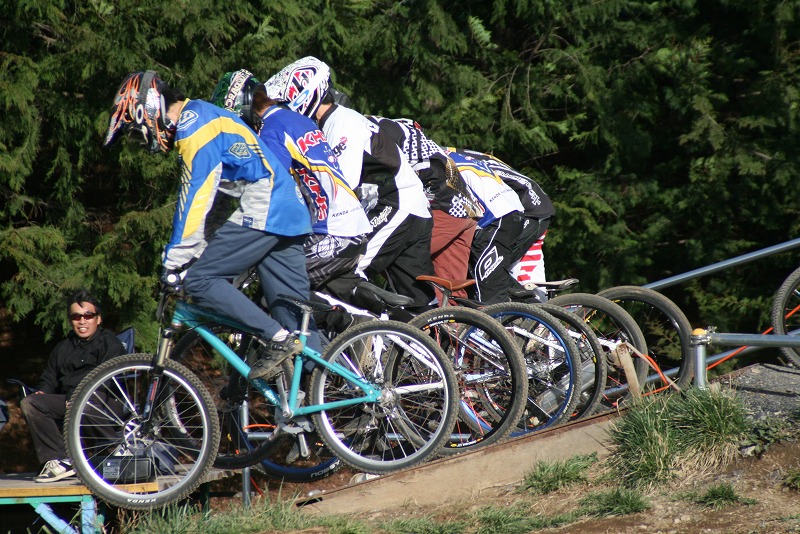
{"x":171,"y":278}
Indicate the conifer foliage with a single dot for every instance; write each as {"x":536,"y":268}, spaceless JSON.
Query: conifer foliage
{"x":665,"y":131}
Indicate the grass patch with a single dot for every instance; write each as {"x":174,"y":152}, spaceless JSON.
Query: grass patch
{"x":261,"y":516}
{"x":424,"y":526}
{"x":664,"y":436}
{"x":517,"y":519}
{"x":549,"y":476}
{"x":719,"y":496}
{"x":791,"y":479}
{"x":616,"y":501}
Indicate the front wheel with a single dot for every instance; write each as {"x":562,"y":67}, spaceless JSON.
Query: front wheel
{"x":135,"y":454}
{"x":666,"y":329}
{"x":491,"y":374}
{"x":552,"y":362}
{"x":613,"y":326}
{"x":415,"y":413}
{"x":785,"y":316}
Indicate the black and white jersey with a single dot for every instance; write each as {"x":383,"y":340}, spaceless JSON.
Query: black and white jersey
{"x":366,"y":154}
{"x":445,"y":188}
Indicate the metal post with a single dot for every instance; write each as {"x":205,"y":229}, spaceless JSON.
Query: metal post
{"x":245,"y":421}
{"x":699,"y":342}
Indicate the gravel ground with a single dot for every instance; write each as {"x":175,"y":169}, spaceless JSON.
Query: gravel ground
{"x":768,"y":390}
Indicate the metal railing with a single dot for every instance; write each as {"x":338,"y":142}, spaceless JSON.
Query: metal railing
{"x":701,"y":339}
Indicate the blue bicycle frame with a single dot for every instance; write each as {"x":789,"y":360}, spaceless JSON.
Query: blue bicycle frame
{"x":196,"y":318}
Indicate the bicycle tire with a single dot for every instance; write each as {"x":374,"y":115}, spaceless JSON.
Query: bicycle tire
{"x":417,"y":409}
{"x":490,"y":370}
{"x":593,"y":361}
{"x":784,"y":316}
{"x":552,"y":363}
{"x":289,"y":451}
{"x":666,"y":330}
{"x":613,"y":325}
{"x":104,"y":418}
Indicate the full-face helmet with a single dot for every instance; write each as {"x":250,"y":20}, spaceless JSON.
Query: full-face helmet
{"x":234,"y":92}
{"x":302,"y":84}
{"x":140,"y":112}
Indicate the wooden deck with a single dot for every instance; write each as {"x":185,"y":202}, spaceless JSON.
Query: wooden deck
{"x":20,"y":486}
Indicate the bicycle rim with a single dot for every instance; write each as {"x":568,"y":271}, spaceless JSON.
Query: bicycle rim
{"x":490,"y":370}
{"x":612,"y":325}
{"x":417,"y":409}
{"x":785,"y":313}
{"x":666,"y":330}
{"x":110,"y":443}
{"x":552,"y":362}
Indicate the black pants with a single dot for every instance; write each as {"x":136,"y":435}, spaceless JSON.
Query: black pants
{"x":490,"y":258}
{"x":45,"y":413}
{"x":400,"y":247}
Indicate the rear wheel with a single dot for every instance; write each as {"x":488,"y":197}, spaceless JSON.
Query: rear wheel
{"x":552,"y":362}
{"x":785,"y":316}
{"x":593,"y":361}
{"x":613,"y":327}
{"x":666,"y":330}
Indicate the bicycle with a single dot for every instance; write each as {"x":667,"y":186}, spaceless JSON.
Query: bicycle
{"x":489,"y":366}
{"x":617,"y":332}
{"x":549,"y":356}
{"x":667,"y":333}
{"x":783,"y":313}
{"x":382,"y":397}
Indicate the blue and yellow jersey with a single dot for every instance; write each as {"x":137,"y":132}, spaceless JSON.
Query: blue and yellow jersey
{"x":215,"y":146}
{"x":299,"y":145}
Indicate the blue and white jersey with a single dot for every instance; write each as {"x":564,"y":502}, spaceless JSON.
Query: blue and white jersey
{"x":217,"y":149}
{"x":536,"y":202}
{"x":301,"y":146}
{"x":497,"y":198}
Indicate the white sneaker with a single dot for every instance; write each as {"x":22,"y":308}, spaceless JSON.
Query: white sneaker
{"x":55,"y":470}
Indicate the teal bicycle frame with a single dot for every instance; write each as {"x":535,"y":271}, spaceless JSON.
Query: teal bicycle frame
{"x":196,"y":318}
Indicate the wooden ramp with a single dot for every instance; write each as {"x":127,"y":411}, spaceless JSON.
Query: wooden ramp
{"x":467,"y":475}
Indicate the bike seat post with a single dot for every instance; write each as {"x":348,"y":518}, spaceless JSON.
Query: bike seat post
{"x":304,"y":322}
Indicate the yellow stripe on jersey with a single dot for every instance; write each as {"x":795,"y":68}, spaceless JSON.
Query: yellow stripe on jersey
{"x":227,"y":125}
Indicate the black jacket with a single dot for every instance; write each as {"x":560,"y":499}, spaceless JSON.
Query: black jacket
{"x":73,"y":358}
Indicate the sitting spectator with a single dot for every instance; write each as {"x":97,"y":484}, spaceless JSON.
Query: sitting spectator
{"x":86,"y":347}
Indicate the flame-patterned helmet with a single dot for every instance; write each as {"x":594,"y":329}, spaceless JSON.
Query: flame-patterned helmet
{"x":139,"y":112}
{"x":302,"y":84}
{"x":234,"y":92}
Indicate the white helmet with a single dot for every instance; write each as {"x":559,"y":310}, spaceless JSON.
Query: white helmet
{"x":302,"y":84}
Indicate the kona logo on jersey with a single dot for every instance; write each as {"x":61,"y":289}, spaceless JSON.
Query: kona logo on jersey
{"x":309,"y":140}
{"x":317,"y":193}
{"x":489,"y":262}
{"x":240,"y":150}
{"x":188,"y":118}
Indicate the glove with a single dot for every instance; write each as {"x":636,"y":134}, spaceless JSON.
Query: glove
{"x":368,"y":195}
{"x":172,"y":279}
